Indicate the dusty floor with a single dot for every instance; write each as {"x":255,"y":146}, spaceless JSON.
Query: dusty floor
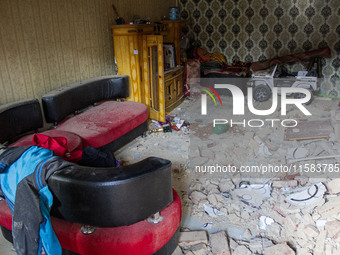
{"x":256,"y":210}
{"x":6,"y":248}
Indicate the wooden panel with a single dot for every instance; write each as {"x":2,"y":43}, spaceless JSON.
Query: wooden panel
{"x":172,"y":73}
{"x":170,"y":94}
{"x":173,"y":35}
{"x":179,"y":86}
{"x":312,"y":129}
{"x":153,"y":84}
{"x":135,"y":70}
{"x":175,"y":78}
{"x":161,"y":78}
{"x":126,"y":50}
{"x":132,"y":29}
{"x":146,"y":71}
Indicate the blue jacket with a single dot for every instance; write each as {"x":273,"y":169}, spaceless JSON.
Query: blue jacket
{"x":23,"y":180}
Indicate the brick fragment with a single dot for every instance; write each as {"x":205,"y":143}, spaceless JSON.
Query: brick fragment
{"x":330,"y":209}
{"x":284,"y":184}
{"x":279,"y":249}
{"x":191,"y":238}
{"x":333,"y":229}
{"x":333,"y":186}
{"x":219,"y":243}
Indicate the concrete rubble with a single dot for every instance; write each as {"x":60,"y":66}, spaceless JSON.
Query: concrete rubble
{"x":279,"y":249}
{"x":228,"y":213}
{"x":219,"y":243}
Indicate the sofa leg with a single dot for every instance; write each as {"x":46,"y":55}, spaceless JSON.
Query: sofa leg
{"x":144,"y":135}
{"x":155,"y":218}
{"x":87,"y":230}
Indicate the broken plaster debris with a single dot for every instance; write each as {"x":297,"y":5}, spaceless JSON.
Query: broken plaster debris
{"x":219,"y":243}
{"x":333,"y":186}
{"x":297,"y":153}
{"x":212,"y":212}
{"x":279,"y":249}
{"x":253,"y":194}
{"x":265,"y":222}
{"x":301,"y":225}
{"x":312,"y":129}
{"x":263,"y":151}
{"x":312,"y":195}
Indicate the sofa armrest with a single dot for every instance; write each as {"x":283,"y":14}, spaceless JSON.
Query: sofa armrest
{"x":19,"y":117}
{"x":111,"y":197}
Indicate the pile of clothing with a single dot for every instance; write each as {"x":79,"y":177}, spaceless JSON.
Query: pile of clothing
{"x":24,"y":172}
{"x":215,"y":65}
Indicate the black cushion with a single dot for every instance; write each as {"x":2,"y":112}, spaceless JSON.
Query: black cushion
{"x":19,"y":117}
{"x":61,"y":102}
{"x":111,"y":197}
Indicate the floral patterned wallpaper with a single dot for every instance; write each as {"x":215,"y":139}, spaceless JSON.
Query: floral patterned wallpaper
{"x":255,"y":30}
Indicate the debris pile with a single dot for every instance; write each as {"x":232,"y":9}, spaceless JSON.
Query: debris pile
{"x":300,"y":219}
{"x":171,"y":123}
{"x":251,"y":213}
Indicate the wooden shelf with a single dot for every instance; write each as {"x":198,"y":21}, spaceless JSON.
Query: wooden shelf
{"x":138,"y":51}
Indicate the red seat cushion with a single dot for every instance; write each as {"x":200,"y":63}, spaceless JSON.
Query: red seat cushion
{"x":74,"y":142}
{"x":142,"y":238}
{"x":104,"y":123}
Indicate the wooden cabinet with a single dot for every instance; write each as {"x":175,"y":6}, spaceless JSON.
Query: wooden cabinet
{"x":152,"y":78}
{"x":173,"y":84}
{"x":127,"y":45}
{"x":138,"y":51}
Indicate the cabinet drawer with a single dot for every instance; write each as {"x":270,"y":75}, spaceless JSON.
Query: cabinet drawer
{"x":174,"y":74}
{"x":132,"y":29}
{"x":173,"y":88}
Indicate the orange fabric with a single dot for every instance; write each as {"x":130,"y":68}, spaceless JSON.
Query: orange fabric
{"x":203,"y":55}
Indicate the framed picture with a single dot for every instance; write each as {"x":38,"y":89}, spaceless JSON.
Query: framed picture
{"x":169,"y":55}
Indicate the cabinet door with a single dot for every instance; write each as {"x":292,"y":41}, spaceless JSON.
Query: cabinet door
{"x":179,"y":86}
{"x":153,"y":80}
{"x":126,"y":54}
{"x":170,"y":92}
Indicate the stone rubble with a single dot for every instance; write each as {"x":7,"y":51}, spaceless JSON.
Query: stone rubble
{"x":219,"y":243}
{"x":333,"y":186}
{"x":279,"y":249}
{"x":188,"y":239}
{"x":234,"y":227}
